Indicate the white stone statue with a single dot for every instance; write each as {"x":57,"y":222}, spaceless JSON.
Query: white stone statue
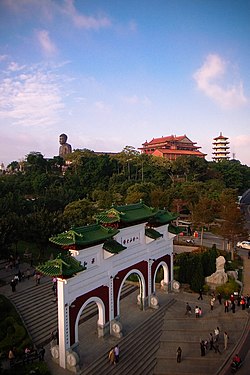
{"x":219,"y":277}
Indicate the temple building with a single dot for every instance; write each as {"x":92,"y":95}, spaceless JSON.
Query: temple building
{"x":220,"y":148}
{"x":171,"y":147}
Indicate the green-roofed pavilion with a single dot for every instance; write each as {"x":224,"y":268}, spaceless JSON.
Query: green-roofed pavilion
{"x":135,"y":213}
{"x":113,"y":247}
{"x":108,"y":217}
{"x":162,"y":217}
{"x":152,"y":233}
{"x":81,"y":237}
{"x":63,"y":266}
{"x":175,"y":229}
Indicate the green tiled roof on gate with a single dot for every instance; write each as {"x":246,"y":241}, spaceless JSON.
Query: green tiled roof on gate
{"x":174,"y":229}
{"x":112,"y":246}
{"x":135,"y":212}
{"x":108,"y":216}
{"x":63,"y":266}
{"x":152,"y":233}
{"x":84,"y":236}
{"x":163,"y":217}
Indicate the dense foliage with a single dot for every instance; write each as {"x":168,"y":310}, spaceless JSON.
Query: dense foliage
{"x":40,"y":197}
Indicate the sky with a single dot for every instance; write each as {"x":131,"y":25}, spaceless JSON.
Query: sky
{"x":112,"y":73}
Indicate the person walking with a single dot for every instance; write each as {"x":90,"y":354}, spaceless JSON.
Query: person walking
{"x":203,"y":348}
{"x":220,"y":298}
{"x":117,"y":353}
{"x":212,"y":303}
{"x":216,"y":347}
{"x":211,"y":341}
{"x":41,"y":354}
{"x":28,"y":273}
{"x":112,"y":356}
{"x":226,"y":305}
{"x":11,"y":357}
{"x":13,"y":285}
{"x":225,"y":340}
{"x":197,"y":312}
{"x":233,"y":307}
{"x":188,"y":309}
{"x":200,"y":294}
{"x":178,"y":354}
{"x":216,"y":334}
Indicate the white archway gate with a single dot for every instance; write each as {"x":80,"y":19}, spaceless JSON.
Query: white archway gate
{"x":103,"y":280}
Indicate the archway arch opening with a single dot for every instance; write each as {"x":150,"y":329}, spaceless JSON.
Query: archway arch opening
{"x":161,"y":276}
{"x":92,"y":308}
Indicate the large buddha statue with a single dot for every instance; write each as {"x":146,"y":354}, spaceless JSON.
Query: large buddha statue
{"x":65,"y":148}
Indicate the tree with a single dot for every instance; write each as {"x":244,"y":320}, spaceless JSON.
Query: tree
{"x":79,"y":213}
{"x":35,"y":162}
{"x":232,"y":222}
{"x":197,"y":279}
{"x":127,"y":157}
{"x":140,"y":191}
{"x":204,"y":213}
{"x":39,"y":226}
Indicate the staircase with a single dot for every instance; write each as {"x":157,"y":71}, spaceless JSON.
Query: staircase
{"x":37,"y":307}
{"x":138,"y":349}
{"x":186,"y":332}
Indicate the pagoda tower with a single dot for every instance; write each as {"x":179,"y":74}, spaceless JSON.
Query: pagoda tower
{"x":220,"y":148}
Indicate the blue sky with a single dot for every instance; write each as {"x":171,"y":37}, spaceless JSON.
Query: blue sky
{"x":111,"y":73}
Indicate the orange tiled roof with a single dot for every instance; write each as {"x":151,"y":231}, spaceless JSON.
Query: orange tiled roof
{"x":166,"y":139}
{"x":179,"y":152}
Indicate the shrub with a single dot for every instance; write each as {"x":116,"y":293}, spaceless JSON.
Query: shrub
{"x":228,"y":288}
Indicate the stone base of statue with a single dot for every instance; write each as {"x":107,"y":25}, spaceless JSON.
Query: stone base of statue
{"x":219,"y":277}
{"x":216,"y":279}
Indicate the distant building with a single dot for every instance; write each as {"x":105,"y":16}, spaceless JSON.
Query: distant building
{"x":171,"y":147}
{"x":220,"y":148}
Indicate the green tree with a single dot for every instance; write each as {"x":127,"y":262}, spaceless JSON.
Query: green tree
{"x":39,"y":226}
{"x":79,"y":213}
{"x":140,"y":191}
{"x":197,"y":279}
{"x":204,"y":213}
{"x":232,"y":221}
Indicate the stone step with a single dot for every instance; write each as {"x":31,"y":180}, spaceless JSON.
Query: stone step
{"x":195,"y":366}
{"x":38,"y":308}
{"x":137,"y":348}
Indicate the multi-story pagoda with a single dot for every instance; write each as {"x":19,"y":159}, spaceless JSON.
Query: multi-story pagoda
{"x":171,"y":147}
{"x":220,"y":148}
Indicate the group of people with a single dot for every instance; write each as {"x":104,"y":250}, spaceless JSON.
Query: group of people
{"x":114,"y":355}
{"x":21,"y":276}
{"x":13,"y":262}
{"x":236,"y":300}
{"x":28,"y":355}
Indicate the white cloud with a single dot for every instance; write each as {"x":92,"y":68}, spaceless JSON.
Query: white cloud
{"x":135,"y":100}
{"x":30,"y":98}
{"x":3,"y":57}
{"x":83,"y":21}
{"x":102,"y":107}
{"x":15,"y":67}
{"x":208,"y":81}
{"x":239,"y":146}
{"x":46,"y":43}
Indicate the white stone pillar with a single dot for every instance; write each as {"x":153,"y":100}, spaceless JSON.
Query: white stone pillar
{"x":171,"y":266}
{"x":63,"y":321}
{"x":111,"y":301}
{"x":150,"y":262}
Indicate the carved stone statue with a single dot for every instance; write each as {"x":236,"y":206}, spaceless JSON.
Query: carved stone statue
{"x":219,"y":277}
{"x":65,"y":148}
